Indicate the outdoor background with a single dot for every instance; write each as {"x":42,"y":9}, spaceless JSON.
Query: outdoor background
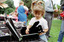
{"x":56,"y":23}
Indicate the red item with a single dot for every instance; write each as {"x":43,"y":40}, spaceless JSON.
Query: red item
{"x":26,"y":12}
{"x":15,"y":18}
{"x":62,"y":14}
{"x":16,"y":8}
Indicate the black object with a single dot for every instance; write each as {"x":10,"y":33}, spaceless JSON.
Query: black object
{"x":33,"y":30}
{"x":13,"y":31}
{"x":16,"y":36}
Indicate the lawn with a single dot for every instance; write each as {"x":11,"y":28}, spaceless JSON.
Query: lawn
{"x":55,"y":29}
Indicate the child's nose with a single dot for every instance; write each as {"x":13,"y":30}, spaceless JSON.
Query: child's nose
{"x":37,"y":15}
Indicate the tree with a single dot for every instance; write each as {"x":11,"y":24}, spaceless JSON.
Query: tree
{"x":61,"y":1}
{"x":58,"y":6}
{"x":11,"y":7}
{"x":27,"y":3}
{"x":1,"y":10}
{"x":10,"y":3}
{"x":59,"y":11}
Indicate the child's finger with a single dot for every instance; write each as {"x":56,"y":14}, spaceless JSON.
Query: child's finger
{"x":27,"y":32}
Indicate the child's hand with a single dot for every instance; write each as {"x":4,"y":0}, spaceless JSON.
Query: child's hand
{"x":55,"y":10}
{"x":41,"y":33}
{"x":27,"y":31}
{"x":24,"y":22}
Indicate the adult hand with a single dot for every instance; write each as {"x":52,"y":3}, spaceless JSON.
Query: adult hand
{"x":55,"y":10}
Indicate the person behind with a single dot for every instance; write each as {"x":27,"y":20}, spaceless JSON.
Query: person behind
{"x":49,"y":14}
{"x":61,"y":34}
{"x":22,"y":13}
{"x":13,"y":14}
{"x":38,"y":13}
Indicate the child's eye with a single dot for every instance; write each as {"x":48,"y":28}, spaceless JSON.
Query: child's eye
{"x":34,"y":3}
{"x":42,"y":4}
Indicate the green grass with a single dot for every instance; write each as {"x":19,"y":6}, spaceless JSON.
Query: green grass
{"x":55,"y":29}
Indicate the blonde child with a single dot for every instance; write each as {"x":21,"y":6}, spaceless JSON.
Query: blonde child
{"x":38,"y":13}
{"x":22,"y":13}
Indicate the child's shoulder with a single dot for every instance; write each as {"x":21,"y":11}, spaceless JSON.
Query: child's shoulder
{"x":44,"y":20}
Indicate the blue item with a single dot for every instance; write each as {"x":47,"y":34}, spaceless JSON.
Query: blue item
{"x":60,"y":38}
{"x":61,"y":34}
{"x":21,"y":14}
{"x":43,"y":37}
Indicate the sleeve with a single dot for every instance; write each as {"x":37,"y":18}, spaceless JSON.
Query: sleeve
{"x":17,"y":10}
{"x":45,"y":25}
{"x":31,"y":22}
{"x":25,"y":8}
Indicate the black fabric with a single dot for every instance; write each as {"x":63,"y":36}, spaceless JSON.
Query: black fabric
{"x":49,"y":12}
{"x":32,"y":30}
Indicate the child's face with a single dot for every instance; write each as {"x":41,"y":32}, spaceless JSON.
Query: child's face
{"x":38,"y":15}
{"x":21,"y":4}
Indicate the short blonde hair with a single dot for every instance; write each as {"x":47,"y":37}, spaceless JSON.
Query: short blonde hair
{"x":39,"y":10}
{"x":21,"y":3}
{"x":38,"y":7}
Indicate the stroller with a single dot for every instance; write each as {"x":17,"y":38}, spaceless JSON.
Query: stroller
{"x":21,"y":37}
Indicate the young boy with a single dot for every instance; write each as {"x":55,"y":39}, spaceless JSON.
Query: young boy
{"x":22,"y":10}
{"x":38,"y":13}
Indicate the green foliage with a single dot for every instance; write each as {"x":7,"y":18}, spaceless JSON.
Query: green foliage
{"x":9,"y":10}
{"x":54,"y":6}
{"x":30,"y":16}
{"x":55,"y":29}
{"x":57,"y":6}
{"x":27,"y":3}
{"x":10,"y":3}
{"x":61,"y":1}
{"x":58,"y":9}
{"x":1,"y":10}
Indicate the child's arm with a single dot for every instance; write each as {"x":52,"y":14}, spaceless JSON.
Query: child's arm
{"x":27,"y":30}
{"x":26,"y":12}
{"x":45,"y":30}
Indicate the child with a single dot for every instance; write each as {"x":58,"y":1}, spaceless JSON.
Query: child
{"x":38,"y":13}
{"x":22,"y":13}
